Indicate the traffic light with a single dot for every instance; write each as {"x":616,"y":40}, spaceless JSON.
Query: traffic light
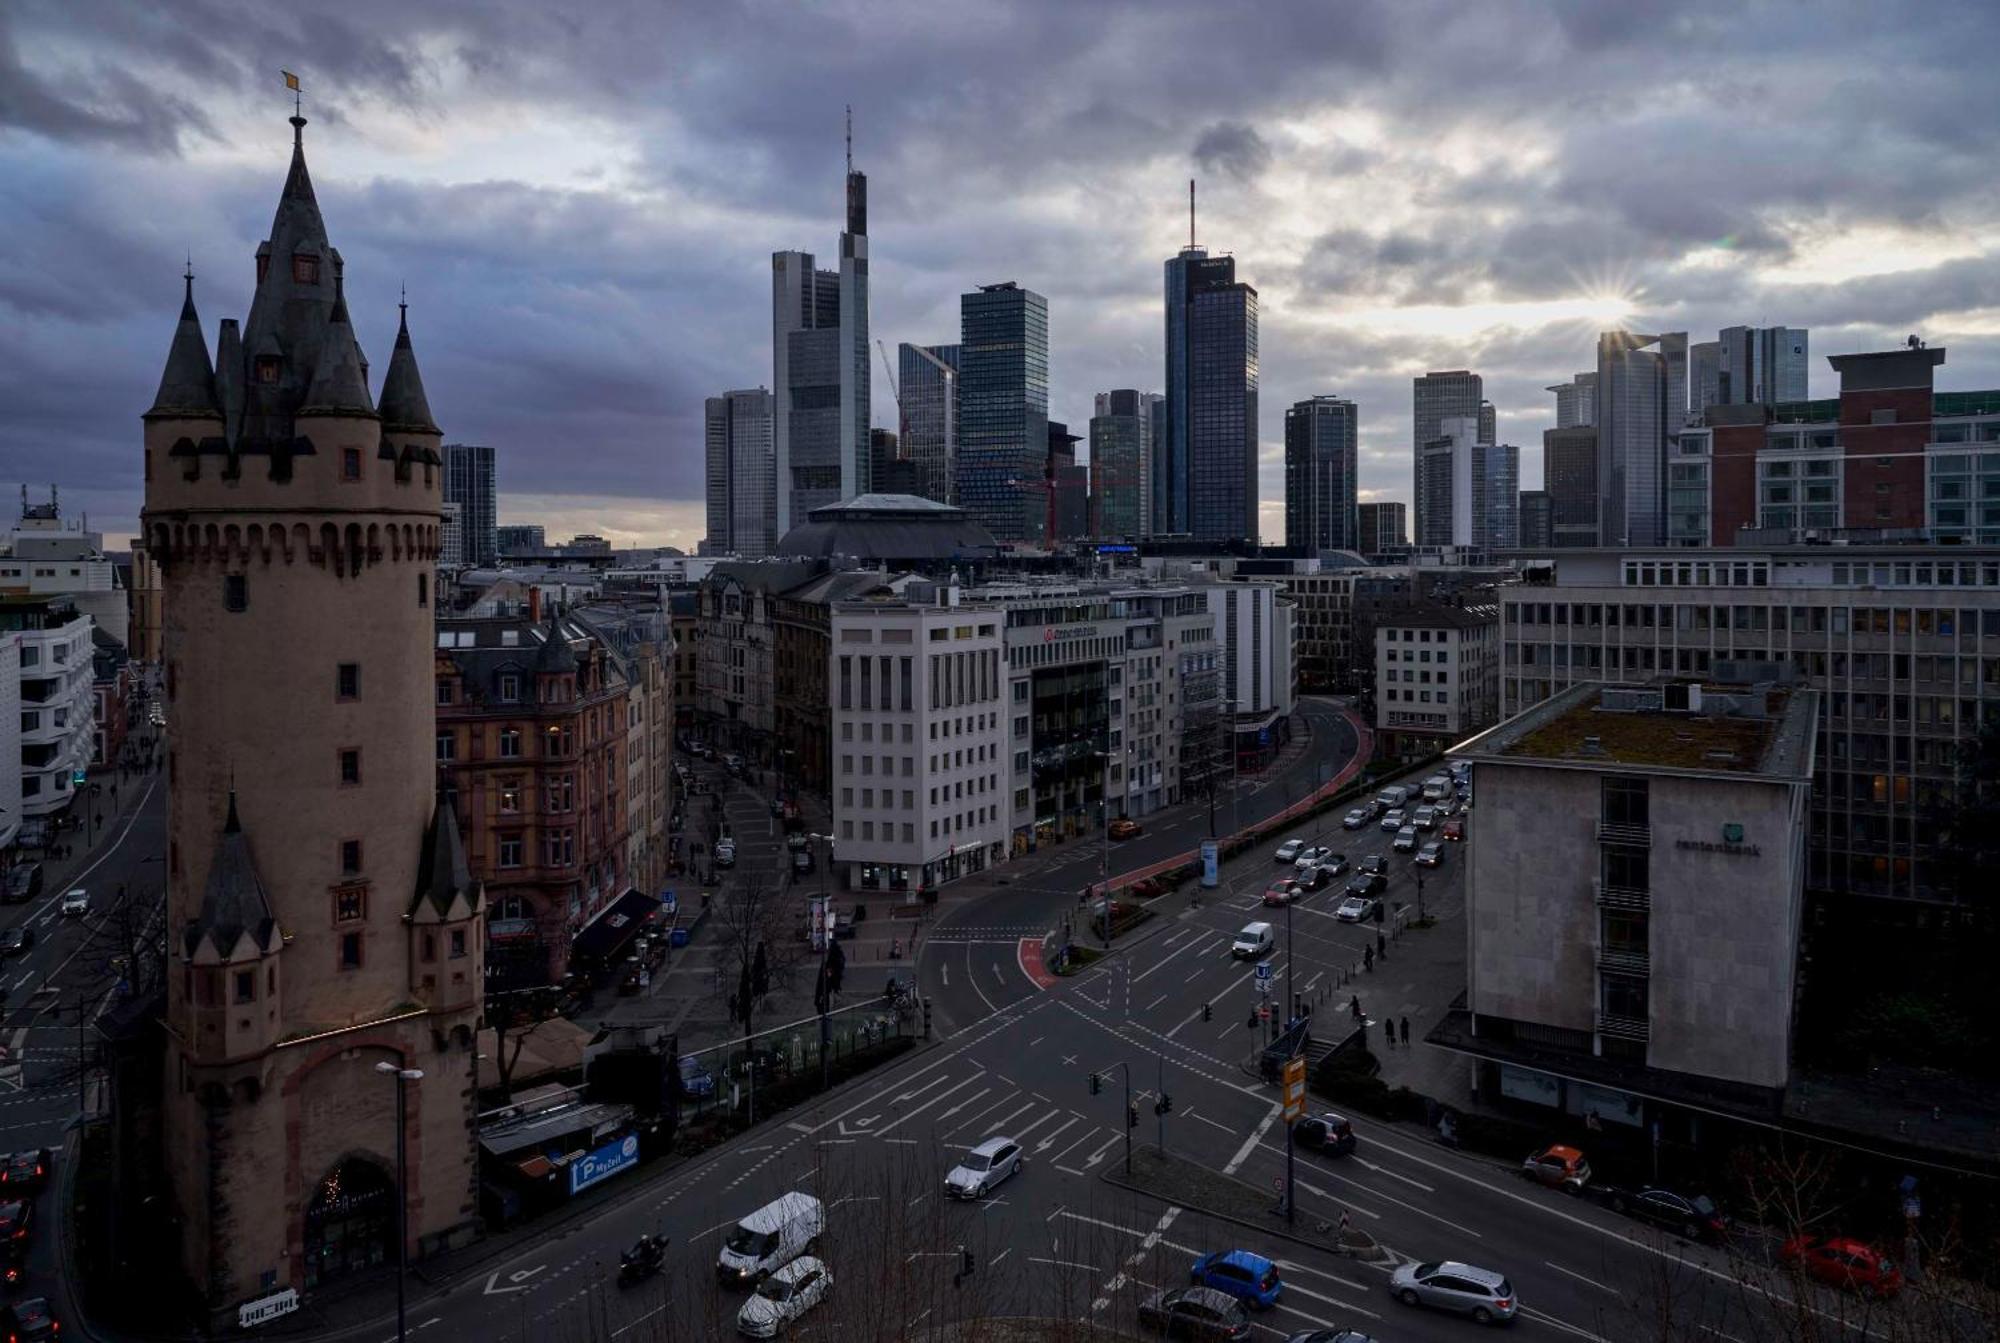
{"x":1096,"y":1084}
{"x":1131,"y":1116}
{"x":927,"y":1018}
{"x":964,"y":1262}
{"x":1205,"y":1012}
{"x":1166,"y":1104}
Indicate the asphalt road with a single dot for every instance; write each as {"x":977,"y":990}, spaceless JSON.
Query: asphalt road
{"x":1059,"y":1240}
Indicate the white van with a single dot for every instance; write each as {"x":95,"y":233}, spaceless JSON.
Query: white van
{"x":1392,"y":798}
{"x":1254,"y":942}
{"x":1438,"y":787}
{"x":770,"y":1238}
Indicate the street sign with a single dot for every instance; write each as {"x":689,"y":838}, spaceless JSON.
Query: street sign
{"x":253,"y":1313}
{"x":670,"y":904}
{"x":1295,"y":1088}
{"x":1264,"y":972}
{"x":1263,"y":1011}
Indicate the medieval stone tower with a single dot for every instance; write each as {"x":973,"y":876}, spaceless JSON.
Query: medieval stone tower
{"x":318,"y":899}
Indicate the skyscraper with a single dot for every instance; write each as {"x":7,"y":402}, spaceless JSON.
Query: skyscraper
{"x":1631,"y":440}
{"x":1003,"y":410}
{"x":1576,"y":401}
{"x":1761,"y":365}
{"x":1321,"y":456}
{"x":1121,"y":464}
{"x":1674,"y":381}
{"x":321,"y":920}
{"x":742,"y":474}
{"x":820,"y":377}
{"x":1704,"y":377}
{"x":1471,"y":490}
{"x":927,"y":392}
{"x":468,"y":482}
{"x":1384,"y":527}
{"x":1209,"y":456}
{"x":1435,"y":398}
{"x":1536,"y":532}
{"x":1569,"y":471}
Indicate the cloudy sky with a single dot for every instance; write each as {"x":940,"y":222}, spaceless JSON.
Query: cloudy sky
{"x":583,"y":199}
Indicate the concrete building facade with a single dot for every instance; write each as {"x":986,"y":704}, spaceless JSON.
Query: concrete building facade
{"x":43,"y":557}
{"x":742,"y":475}
{"x":53,"y":682}
{"x":470,"y":482}
{"x":1385,"y":528}
{"x":1437,"y":676}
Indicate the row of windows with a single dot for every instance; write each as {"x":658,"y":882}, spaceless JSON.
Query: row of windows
{"x":1943,"y":622}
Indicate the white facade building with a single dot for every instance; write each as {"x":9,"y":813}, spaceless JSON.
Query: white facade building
{"x":1437,"y":675}
{"x":451,"y":536}
{"x":1253,"y":623}
{"x":41,"y":557}
{"x":10,"y":736}
{"x":56,"y":717}
{"x":919,"y":720}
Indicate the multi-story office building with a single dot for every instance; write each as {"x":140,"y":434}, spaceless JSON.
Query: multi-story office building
{"x":1631,"y":439}
{"x":1121,"y":464}
{"x":1253,"y":625}
{"x":1323,"y":626}
{"x":522,"y":538}
{"x":1322,"y":455}
{"x":53,"y":679}
{"x":1437,"y":676}
{"x":1704,"y":378}
{"x":1623,"y":834}
{"x":469,"y":483}
{"x":892,"y":471}
{"x":1576,"y":401}
{"x":920,"y":708}
{"x":1537,"y":531}
{"x":10,"y":736}
{"x":1384,"y":527}
{"x":1901,"y":641}
{"x":742,"y":474}
{"x":43,"y":557}
{"x":451,"y":537}
{"x":1453,"y":394}
{"x":1761,"y":366}
{"x":1674,"y":376}
{"x":927,"y":405}
{"x":821,"y":370}
{"x":1471,"y":489}
{"x":1003,"y":404}
{"x":1205,"y":476}
{"x":1070,"y":499}
{"x":1569,"y":470}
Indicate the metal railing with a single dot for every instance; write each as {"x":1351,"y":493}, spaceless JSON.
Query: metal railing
{"x":1609,"y":832}
{"x":1625,"y":960}
{"x":1623,"y":897}
{"x":1623,"y":1028}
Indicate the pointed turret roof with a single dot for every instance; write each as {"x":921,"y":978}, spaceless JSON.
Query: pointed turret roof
{"x":339,"y":387}
{"x":234,"y":902}
{"x":187,"y":385}
{"x":404,"y":405}
{"x":444,"y":877}
{"x":554,"y":657}
{"x":291,"y":312}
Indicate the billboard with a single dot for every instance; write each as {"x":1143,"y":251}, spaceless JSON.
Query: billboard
{"x":600,"y":1164}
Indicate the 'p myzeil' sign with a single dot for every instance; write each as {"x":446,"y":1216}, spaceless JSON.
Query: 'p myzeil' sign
{"x":253,"y":1313}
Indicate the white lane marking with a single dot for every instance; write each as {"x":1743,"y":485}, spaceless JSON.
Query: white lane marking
{"x":1050,"y":1141}
{"x":1250,"y":1143}
{"x":974,"y":981}
{"x":1161,"y":963}
{"x":1063,"y":1263}
{"x":916,"y":1110}
{"x":1002,"y":1255}
{"x":1384,"y":1170}
{"x":1570,"y":1272}
{"x":1292,"y":1288}
{"x":1546,"y":1318}
{"x":967,"y":1101}
{"x":944,"y":972}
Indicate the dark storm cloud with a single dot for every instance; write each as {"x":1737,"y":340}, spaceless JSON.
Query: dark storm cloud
{"x":1355,"y":159}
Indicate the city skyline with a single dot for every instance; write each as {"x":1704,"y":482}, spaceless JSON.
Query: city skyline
{"x":612,"y":272}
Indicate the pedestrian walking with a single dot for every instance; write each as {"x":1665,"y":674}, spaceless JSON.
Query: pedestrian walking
{"x":1354,"y":1005}
{"x":1406,"y":1030}
{"x":1368,"y":959}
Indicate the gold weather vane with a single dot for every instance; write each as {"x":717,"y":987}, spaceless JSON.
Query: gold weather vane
{"x":298,"y":95}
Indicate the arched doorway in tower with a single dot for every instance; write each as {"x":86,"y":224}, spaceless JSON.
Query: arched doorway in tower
{"x":351,"y":1222}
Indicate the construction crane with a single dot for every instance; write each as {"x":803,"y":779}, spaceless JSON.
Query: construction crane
{"x":889,"y":372}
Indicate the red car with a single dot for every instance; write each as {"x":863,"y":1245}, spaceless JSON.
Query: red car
{"x":1281,"y":892}
{"x":1850,"y":1264}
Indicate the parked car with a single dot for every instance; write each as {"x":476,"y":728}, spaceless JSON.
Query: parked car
{"x":1430,"y":855}
{"x":1454,"y":829}
{"x":1356,"y":908}
{"x":983,"y":1167}
{"x":733,"y":763}
{"x":14,"y":941}
{"x":1405,"y":840}
{"x":1288,"y":852}
{"x":1329,"y":1133}
{"x":23,"y":882}
{"x":1125,"y":828}
{"x":76,"y":903}
{"x":1375,"y":863}
{"x":1851,"y":1265}
{"x":1692,"y":1217}
{"x":30,"y":1321}
{"x":1357,"y":818}
{"x":1367,"y":885}
{"x":1479,"y":1292}
{"x":1559,"y":1167}
{"x":25,"y":1172}
{"x":783,"y":1297}
{"x":16,"y":1216}
{"x":1253,"y":943}
{"x":1393,"y":820}
{"x":1250,"y":1278}
{"x":1194,"y":1312}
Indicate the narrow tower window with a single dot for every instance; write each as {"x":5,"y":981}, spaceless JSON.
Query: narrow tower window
{"x":347,"y":681}
{"x":235,"y":592}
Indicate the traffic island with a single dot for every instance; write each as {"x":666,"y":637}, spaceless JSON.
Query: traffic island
{"x":1189,"y":1184}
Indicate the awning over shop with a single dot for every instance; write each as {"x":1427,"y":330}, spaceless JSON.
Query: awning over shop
{"x":605,"y":937}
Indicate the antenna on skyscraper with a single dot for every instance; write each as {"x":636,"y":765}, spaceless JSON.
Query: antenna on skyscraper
{"x":850,"y":139}
{"x":1190,"y":213}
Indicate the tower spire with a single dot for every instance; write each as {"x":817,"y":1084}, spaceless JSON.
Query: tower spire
{"x":850,"y":138}
{"x":1190,"y":213}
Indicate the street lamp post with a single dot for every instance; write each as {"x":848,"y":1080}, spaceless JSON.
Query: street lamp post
{"x":403,"y":1077}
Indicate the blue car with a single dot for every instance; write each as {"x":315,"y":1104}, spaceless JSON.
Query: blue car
{"x":1250,"y":1278}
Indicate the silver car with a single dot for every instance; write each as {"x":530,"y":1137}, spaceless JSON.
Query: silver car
{"x":1479,"y":1292}
{"x":1393,"y":820}
{"x":983,"y":1167}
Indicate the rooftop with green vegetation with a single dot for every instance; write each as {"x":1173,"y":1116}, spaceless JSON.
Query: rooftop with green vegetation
{"x":1732,"y":729}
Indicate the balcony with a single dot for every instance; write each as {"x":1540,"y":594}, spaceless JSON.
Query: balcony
{"x":1623,"y":897}
{"x":1609,"y":832}
{"x":1623,"y":1028}
{"x":1625,"y":960}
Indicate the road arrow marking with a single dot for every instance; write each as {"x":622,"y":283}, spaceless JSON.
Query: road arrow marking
{"x":962,"y":1104}
{"x":518,"y":1278}
{"x":1050,"y":1141}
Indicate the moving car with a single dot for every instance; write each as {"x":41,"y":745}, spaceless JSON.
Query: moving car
{"x":783,"y":1297}
{"x":25,"y":1172}
{"x":1437,"y":786}
{"x":1194,"y":1312}
{"x":1454,"y":829}
{"x":1356,"y":908}
{"x":1329,"y":1133}
{"x":1312,"y":857}
{"x":1852,"y":1265}
{"x":983,"y":1167}
{"x":1125,"y":827}
{"x":1479,"y":1292}
{"x":1394,"y":796}
{"x":1375,"y":862}
{"x":1253,"y":943}
{"x":1558,"y":1167}
{"x":1312,"y":878}
{"x":1357,"y":818}
{"x":770,"y":1238}
{"x":1405,"y":840}
{"x":1367,"y":885}
{"x":1334,"y":864}
{"x":1329,"y":1336}
{"x":1393,"y":820}
{"x":1250,"y":1278}
{"x":14,"y":941}
{"x":1289,"y":850}
{"x":1430,"y":855}
{"x":1424,"y":818}
{"x":1690,"y":1217}
{"x":725,"y":853}
{"x":76,"y":903}
{"x":15,"y":1217}
{"x":1282,"y":891}
{"x":29,"y":1321}
{"x":733,"y":763}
